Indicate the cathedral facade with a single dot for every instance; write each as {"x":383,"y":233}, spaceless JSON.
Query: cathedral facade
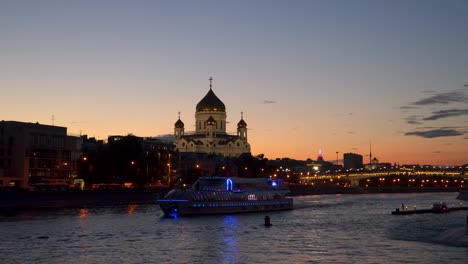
{"x":210,"y":135}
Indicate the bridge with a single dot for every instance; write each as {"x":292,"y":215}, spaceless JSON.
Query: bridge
{"x":412,"y":178}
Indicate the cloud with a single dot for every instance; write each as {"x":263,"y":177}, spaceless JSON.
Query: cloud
{"x":446,"y":113}
{"x":436,"y":152}
{"x":460,"y":128}
{"x":413,"y":120}
{"x":408,"y":107}
{"x":351,"y":132}
{"x":269,"y":102}
{"x":435,"y":133}
{"x":442,"y":98}
{"x":466,"y":85}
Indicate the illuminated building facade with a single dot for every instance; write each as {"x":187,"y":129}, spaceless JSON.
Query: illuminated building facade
{"x":210,"y":135}
{"x":31,"y":153}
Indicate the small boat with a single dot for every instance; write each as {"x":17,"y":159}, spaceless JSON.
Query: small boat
{"x":221,"y":195}
{"x":440,"y":208}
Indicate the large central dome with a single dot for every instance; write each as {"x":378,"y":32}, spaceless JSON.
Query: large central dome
{"x":211,"y":103}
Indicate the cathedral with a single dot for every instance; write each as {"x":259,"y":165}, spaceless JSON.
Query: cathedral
{"x":210,"y":135}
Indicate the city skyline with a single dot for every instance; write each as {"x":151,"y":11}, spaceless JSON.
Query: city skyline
{"x":308,"y":75}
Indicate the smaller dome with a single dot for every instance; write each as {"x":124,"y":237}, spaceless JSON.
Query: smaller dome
{"x":211,"y":121}
{"x":242,"y":124}
{"x":179,"y":124}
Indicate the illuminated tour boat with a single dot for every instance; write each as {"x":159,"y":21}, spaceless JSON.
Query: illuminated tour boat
{"x":220,"y":195}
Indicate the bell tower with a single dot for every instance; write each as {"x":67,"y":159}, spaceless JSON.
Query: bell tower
{"x":178,"y":128}
{"x":242,"y":128}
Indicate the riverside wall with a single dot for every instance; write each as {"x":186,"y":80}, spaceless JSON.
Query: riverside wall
{"x":18,"y":199}
{"x":298,"y":190}
{"x":23,"y":200}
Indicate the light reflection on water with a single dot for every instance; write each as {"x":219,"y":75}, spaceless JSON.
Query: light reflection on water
{"x":132,"y":208}
{"x":323,"y":229}
{"x":83,"y":213}
{"x":231,"y":252}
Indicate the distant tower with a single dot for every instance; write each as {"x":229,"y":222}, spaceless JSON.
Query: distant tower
{"x":242,"y":128}
{"x":320,"y":156}
{"x":178,"y":128}
{"x":370,"y":152}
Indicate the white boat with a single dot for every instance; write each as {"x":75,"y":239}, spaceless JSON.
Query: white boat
{"x":221,"y":195}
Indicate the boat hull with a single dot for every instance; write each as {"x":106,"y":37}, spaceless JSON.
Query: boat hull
{"x":184,"y":208}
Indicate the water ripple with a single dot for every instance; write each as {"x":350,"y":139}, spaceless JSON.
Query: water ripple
{"x":324,"y":229}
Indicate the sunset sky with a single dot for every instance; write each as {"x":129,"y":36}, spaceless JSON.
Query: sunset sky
{"x":308,"y":75}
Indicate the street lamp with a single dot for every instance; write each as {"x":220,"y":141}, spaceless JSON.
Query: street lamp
{"x":169,"y":173}
{"x":89,"y":168}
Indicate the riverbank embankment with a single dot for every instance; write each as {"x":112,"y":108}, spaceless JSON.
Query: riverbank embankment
{"x":20,"y":200}
{"x":299,"y":190}
{"x":24,"y":200}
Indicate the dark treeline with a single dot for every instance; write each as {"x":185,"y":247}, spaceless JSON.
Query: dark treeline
{"x":135,"y":160}
{"x":125,"y":160}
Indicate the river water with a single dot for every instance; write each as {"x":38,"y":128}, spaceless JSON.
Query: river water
{"x":322,"y":229}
